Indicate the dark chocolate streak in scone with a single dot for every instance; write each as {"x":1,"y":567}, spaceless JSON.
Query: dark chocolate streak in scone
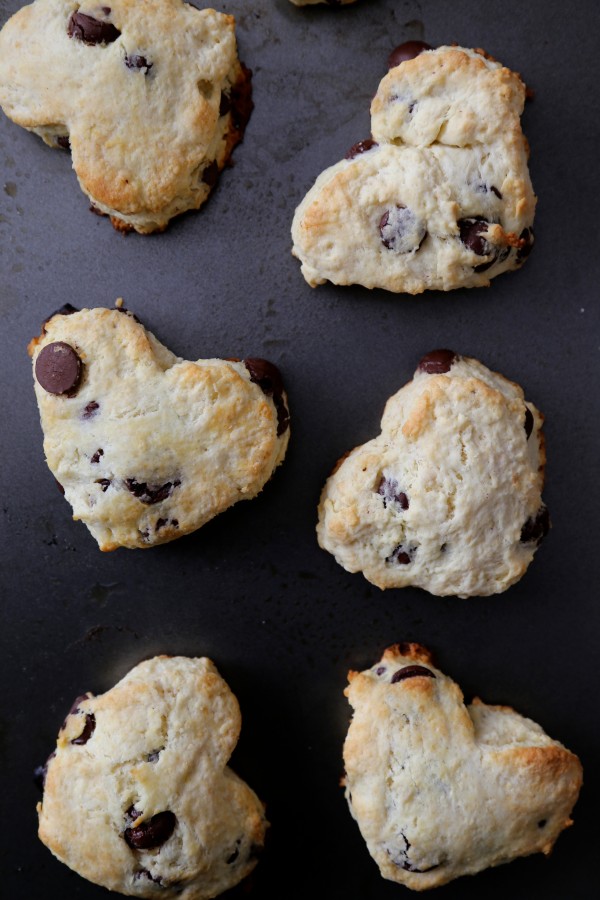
{"x":146,"y":446}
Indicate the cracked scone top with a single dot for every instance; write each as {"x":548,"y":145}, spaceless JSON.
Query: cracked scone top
{"x":146,"y":446}
{"x":440,"y":197}
{"x":150,"y":97}
{"x":440,"y":789}
{"x":448,"y":497}
{"x":138,"y":796}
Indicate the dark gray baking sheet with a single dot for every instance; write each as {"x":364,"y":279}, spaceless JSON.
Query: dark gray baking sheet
{"x":252,"y":590}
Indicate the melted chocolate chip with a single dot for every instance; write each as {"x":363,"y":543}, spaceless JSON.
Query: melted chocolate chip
{"x":268,"y":377}
{"x":151,"y":493}
{"x":63,"y":141}
{"x":40,"y":773}
{"x":138,"y":62}
{"x":401,"y":230}
{"x":210,"y":174}
{"x":90,"y":410}
{"x":104,"y":483}
{"x":388,"y":489}
{"x":411,"y":672}
{"x":401,"y":555}
{"x":528,"y":422}
{"x":92,"y":31}
{"x":437,"y":362}
{"x":361,"y":147}
{"x":74,"y":707}
{"x":407,"y":50}
{"x":96,"y":457}
{"x":536,"y":528}
{"x":58,"y":369}
{"x":152,"y":833}
{"x":471,"y":231}
{"x":524,"y":251}
{"x":88,"y":730}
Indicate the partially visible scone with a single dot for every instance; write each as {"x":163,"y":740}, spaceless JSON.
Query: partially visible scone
{"x":448,"y":496}
{"x":440,"y":789}
{"x":150,"y":97}
{"x":146,"y":446}
{"x":440,"y":196}
{"x":138,"y":796}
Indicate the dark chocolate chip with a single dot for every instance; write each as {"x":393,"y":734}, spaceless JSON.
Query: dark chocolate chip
{"x":58,"y":369}
{"x":144,"y":873}
{"x":90,"y":410}
{"x":92,"y":31}
{"x":536,"y":528}
{"x":40,"y":773}
{"x":224,"y":104}
{"x":62,"y":140}
{"x":437,"y":362}
{"x":152,"y":833}
{"x":495,"y":191}
{"x":96,"y":457}
{"x":241,"y":103}
{"x":528,"y":422}
{"x":524,"y":251}
{"x":104,"y":483}
{"x":389,"y":490}
{"x":151,"y":493}
{"x":411,"y":672}
{"x":175,"y":523}
{"x":88,"y":730}
{"x":401,"y":230}
{"x":380,"y":670}
{"x":542,"y":823}
{"x":132,"y":813}
{"x":138,"y":62}
{"x":401,"y":555}
{"x":361,"y":147}
{"x":153,"y":756}
{"x":407,"y":50}
{"x":210,"y":174}
{"x":268,"y":377}
{"x":471,"y":231}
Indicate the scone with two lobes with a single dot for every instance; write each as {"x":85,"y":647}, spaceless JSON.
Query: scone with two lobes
{"x":138,"y":796}
{"x":440,"y":197}
{"x":448,"y":497}
{"x":441,"y":789}
{"x":146,"y":446}
{"x":150,"y":97}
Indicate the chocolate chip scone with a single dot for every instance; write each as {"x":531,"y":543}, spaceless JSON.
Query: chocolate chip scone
{"x":448,"y":496}
{"x":440,"y":197}
{"x":150,"y":97}
{"x":138,"y":796}
{"x":147,"y":446}
{"x":440,"y":789}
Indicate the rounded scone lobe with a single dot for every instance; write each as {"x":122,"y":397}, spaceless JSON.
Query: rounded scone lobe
{"x":151,"y":99}
{"x":448,"y":151}
{"x":448,"y":497}
{"x":440,"y":789}
{"x":157,"y":752}
{"x":150,"y":447}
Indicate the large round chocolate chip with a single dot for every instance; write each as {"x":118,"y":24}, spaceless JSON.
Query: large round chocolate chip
{"x":405,"y":51}
{"x":152,"y":833}
{"x":268,"y":377}
{"x":537,"y":527}
{"x":411,"y":672}
{"x":437,"y":362}
{"x":58,"y":368}
{"x":401,"y":230}
{"x":91,"y":31}
{"x":361,"y":147}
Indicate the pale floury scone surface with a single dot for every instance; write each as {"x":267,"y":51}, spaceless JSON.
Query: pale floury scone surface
{"x":138,"y":796}
{"x":448,"y":496}
{"x":150,"y":96}
{"x":440,"y":197}
{"x":147,"y":446}
{"x":440,"y":789}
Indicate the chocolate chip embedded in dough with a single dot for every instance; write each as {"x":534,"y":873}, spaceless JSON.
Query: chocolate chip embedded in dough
{"x":437,"y":362}
{"x":401,"y":230}
{"x":471,"y":231}
{"x":411,"y":672}
{"x":407,"y":50}
{"x":151,"y":833}
{"x":58,"y":369}
{"x":91,"y":409}
{"x":536,"y":527}
{"x":136,"y":62}
{"x":268,"y":377}
{"x":210,"y":174}
{"x":388,"y":489}
{"x":401,"y":555}
{"x":90,"y":30}
{"x":151,"y":493}
{"x":524,"y":251}
{"x":88,"y":730}
{"x":96,"y":457}
{"x":361,"y":147}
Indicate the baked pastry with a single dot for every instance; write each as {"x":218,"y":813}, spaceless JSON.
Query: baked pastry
{"x":147,"y":446}
{"x":448,"y":496}
{"x":150,"y":97}
{"x":440,"y":196}
{"x":440,"y":789}
{"x":138,"y":796}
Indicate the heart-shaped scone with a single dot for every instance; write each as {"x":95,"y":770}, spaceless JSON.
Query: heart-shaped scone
{"x":147,"y":446}
{"x":138,"y":796}
{"x":448,"y":496}
{"x":150,"y":97}
{"x":440,"y":197}
{"x":440,"y":789}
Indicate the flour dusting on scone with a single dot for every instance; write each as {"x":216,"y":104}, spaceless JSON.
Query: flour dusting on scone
{"x":146,"y":446}
{"x":150,"y":97}
{"x":448,"y":497}
{"x":440,"y":789}
{"x":439,"y":197}
{"x":138,"y":796}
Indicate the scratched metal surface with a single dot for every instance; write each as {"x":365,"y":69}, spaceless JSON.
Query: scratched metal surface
{"x":252,"y":590}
